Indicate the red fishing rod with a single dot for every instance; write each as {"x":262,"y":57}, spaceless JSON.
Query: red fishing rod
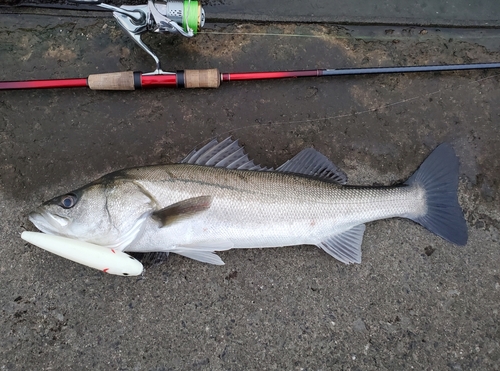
{"x":212,"y":78}
{"x":186,"y":17}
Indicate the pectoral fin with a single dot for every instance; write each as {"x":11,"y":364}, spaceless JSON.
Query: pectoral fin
{"x":345,"y":246}
{"x":183,"y":209}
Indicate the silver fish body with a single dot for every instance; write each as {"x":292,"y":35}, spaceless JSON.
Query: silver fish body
{"x":196,"y":208}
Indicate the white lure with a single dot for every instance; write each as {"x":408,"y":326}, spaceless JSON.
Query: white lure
{"x":94,"y":256}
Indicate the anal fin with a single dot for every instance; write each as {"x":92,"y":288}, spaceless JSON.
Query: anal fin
{"x":345,"y":246}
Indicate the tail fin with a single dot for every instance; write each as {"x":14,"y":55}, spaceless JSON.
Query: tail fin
{"x":439,"y":176}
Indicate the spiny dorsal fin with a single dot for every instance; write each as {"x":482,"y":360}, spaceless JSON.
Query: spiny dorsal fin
{"x":312,"y":163}
{"x":228,"y":154}
{"x":195,"y":153}
{"x":182,"y":209}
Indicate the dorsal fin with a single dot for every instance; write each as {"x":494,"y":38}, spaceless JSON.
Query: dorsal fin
{"x":193,"y":156}
{"x":312,"y":163}
{"x":228,"y":154}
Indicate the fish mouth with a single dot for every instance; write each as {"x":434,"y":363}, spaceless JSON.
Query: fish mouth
{"x":48,"y":223}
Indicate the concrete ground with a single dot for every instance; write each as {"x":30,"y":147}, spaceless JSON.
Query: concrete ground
{"x":416,"y":301}
{"x":405,"y":12}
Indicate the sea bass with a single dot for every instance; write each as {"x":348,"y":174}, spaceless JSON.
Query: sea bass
{"x":218,"y":199}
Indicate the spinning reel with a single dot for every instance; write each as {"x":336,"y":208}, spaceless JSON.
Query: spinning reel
{"x":185,"y":17}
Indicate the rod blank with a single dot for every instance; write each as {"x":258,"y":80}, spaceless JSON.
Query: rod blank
{"x":211,"y":78}
{"x":410,"y":69}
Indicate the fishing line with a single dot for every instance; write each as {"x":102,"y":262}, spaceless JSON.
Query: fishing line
{"x":271,"y":34}
{"x":352,"y":114}
{"x":350,"y":36}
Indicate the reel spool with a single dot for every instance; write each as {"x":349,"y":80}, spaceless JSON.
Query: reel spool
{"x":189,"y":14}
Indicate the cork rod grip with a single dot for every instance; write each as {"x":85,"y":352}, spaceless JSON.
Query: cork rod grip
{"x":202,"y":78}
{"x":112,"y":81}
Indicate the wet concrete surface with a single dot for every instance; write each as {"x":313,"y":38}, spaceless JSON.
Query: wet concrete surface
{"x":416,"y":301}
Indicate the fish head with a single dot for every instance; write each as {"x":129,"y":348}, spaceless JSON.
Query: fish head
{"x":107,"y":212}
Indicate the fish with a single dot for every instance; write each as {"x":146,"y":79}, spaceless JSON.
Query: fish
{"x":217,"y":199}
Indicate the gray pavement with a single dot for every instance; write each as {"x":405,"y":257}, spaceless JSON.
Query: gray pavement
{"x":416,"y":301}
{"x":458,"y":13}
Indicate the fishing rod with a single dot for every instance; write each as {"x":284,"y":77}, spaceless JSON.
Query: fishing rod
{"x":187,"y":17}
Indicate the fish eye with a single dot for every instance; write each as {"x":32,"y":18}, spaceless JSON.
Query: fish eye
{"x":68,"y":201}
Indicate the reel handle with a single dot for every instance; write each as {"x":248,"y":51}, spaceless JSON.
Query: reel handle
{"x":130,"y":80}
{"x":137,"y":16}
